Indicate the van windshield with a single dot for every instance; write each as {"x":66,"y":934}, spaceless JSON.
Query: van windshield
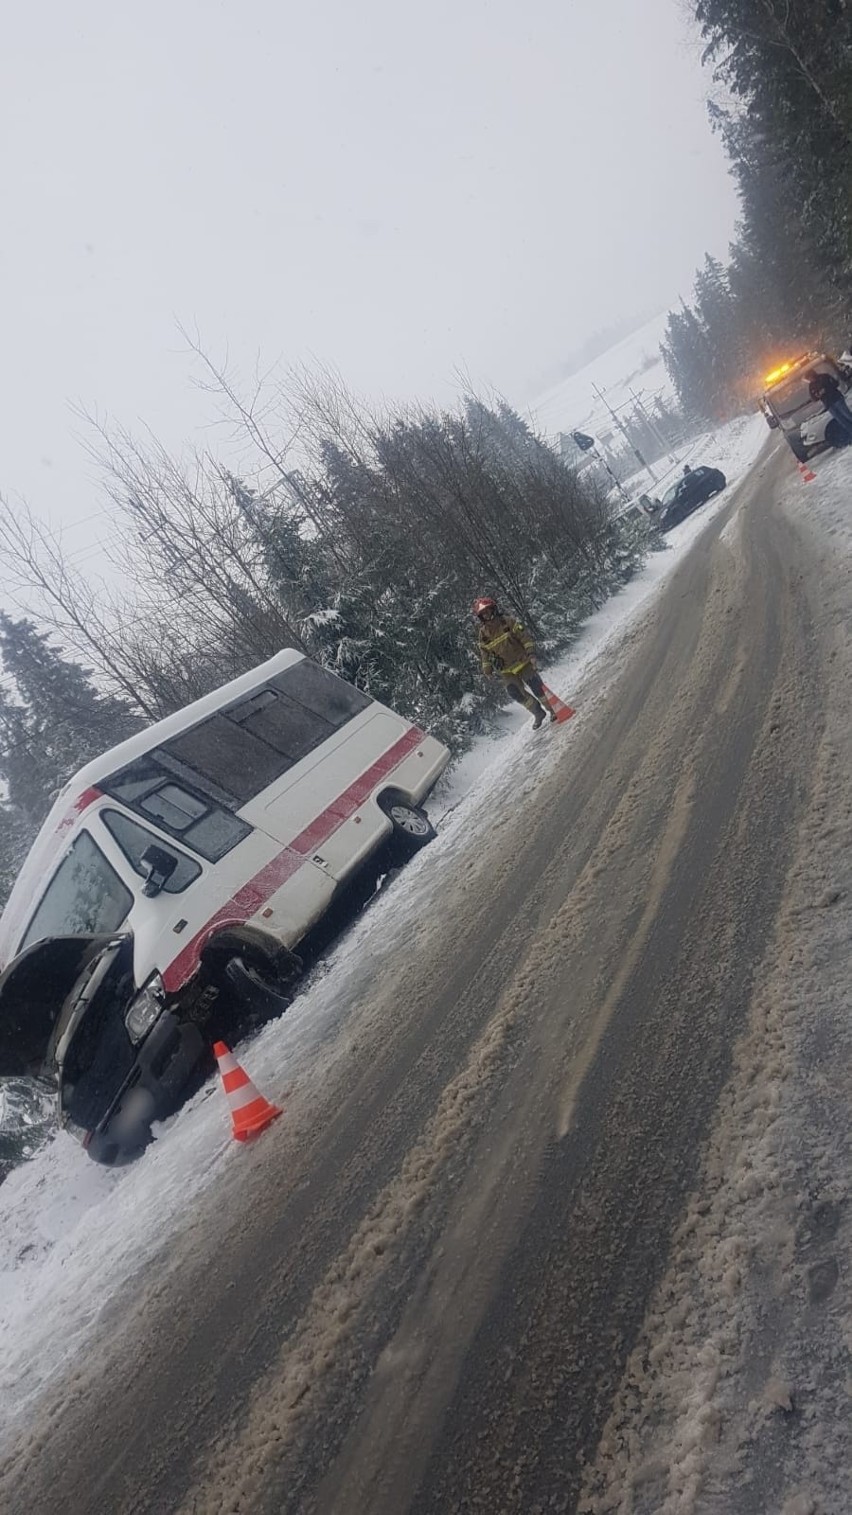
{"x":85,"y":897}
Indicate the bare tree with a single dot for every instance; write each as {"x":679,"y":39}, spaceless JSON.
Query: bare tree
{"x":40,"y":578}
{"x":195,"y":547}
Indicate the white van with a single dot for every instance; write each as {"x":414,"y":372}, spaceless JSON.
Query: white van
{"x":190,"y":860}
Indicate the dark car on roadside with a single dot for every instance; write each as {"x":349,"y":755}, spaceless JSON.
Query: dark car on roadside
{"x":690,"y":491}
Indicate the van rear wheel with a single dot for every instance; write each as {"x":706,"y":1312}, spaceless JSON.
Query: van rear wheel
{"x":412,"y":827}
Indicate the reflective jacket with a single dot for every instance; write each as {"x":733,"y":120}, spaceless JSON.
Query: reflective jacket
{"x":504,"y":645}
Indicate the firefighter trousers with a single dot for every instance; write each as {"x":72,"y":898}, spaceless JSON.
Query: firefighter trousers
{"x":515,"y":683}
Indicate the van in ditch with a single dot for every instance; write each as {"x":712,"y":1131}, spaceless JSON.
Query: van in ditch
{"x":164,"y":901}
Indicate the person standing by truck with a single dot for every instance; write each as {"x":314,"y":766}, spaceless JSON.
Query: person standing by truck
{"x":825,"y":390}
{"x":506,"y":648}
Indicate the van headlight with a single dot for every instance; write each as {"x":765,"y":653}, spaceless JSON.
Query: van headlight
{"x":145,"y":1009}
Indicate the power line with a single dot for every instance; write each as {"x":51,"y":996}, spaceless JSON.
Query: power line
{"x":625,"y":433}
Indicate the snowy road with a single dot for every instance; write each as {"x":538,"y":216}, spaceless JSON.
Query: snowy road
{"x":421,"y":1289}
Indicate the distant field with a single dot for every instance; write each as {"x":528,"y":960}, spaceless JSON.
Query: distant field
{"x":634,"y":363}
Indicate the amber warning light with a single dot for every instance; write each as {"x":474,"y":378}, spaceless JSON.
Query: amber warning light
{"x":776,"y":374}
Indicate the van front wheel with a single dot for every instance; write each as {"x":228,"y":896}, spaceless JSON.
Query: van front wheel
{"x":412,"y":827}
{"x":257,"y":991}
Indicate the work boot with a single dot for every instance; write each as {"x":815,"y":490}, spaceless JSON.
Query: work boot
{"x":538,"y":719}
{"x":552,"y":714}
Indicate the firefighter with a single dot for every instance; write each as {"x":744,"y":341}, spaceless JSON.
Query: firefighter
{"x":507,"y":649}
{"x":825,"y":390}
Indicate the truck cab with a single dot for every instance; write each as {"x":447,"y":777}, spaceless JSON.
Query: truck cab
{"x":787,"y":405}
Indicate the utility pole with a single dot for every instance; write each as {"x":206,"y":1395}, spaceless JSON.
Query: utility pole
{"x":625,"y":433}
{"x":670,"y":444}
{"x":649,"y":420}
{"x":589,"y":444}
{"x":617,"y":482}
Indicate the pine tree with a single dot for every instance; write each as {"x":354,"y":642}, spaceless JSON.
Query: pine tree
{"x":54,"y":721}
{"x":717,"y":312}
{"x":15,"y":838}
{"x":788,"y":63}
{"x":688,"y":356}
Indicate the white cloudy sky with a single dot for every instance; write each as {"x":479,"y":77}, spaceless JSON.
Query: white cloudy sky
{"x":399,"y":189}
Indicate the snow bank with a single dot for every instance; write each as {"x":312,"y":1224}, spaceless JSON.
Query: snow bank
{"x":65,"y":1222}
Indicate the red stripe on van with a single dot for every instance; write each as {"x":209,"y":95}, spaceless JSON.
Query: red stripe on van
{"x":248,"y":900}
{"x":82,"y":802}
{"x":352,"y":798}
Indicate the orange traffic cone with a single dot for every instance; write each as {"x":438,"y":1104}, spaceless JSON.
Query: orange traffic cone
{"x":562,"y":711}
{"x":807,"y":473}
{"x":250,"y":1112}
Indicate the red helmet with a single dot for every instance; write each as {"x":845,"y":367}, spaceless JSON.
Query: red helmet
{"x":483,"y":604}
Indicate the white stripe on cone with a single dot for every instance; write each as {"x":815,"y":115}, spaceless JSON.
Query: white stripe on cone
{"x":247,"y":1095}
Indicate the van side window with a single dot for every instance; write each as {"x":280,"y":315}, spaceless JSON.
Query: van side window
{"x":174,"y":806}
{"x":197,"y":820}
{"x":247,"y":746}
{"x":221,"y":753}
{"x":193,"y":783}
{"x":322,"y":692}
{"x":85,"y":896}
{"x":134,"y":839}
{"x":287,"y":727}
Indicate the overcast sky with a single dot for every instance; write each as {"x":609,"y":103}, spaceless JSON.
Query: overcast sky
{"x":399,"y":189}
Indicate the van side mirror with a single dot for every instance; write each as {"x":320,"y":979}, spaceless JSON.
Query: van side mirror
{"x":159,"y":866}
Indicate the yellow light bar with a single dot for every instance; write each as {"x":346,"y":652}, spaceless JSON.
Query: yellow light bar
{"x":777,"y":373}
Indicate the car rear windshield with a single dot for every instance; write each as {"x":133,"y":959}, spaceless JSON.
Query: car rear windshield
{"x":85,"y":896}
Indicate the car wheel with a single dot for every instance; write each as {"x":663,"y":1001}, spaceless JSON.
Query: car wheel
{"x":412,"y":828}
{"x":797,"y":447}
{"x":258,"y":992}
